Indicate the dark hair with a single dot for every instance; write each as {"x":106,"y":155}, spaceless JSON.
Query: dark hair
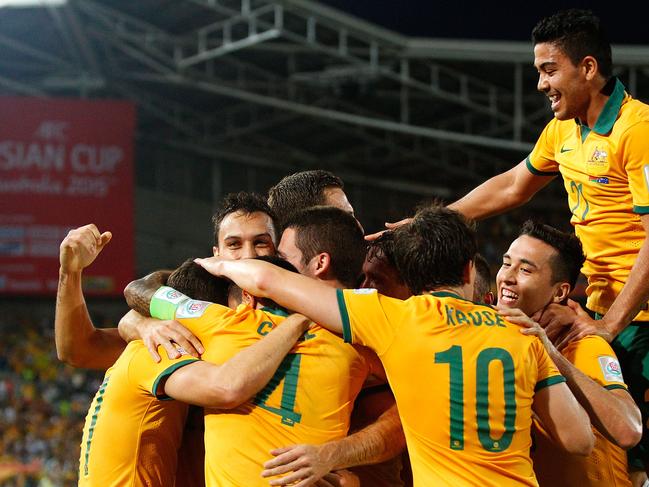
{"x":382,"y":248}
{"x":482,"y":276}
{"x":328,"y":229}
{"x":569,"y":258}
{"x":243,"y":202}
{"x":301,"y":190}
{"x":235,"y":291}
{"x":578,"y":33}
{"x":432,"y":249}
{"x":194,"y":281}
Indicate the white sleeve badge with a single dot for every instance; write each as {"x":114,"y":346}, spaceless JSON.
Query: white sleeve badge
{"x":611,"y":369}
{"x":192,"y":308}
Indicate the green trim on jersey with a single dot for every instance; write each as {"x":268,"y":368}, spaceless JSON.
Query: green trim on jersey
{"x":610,"y":387}
{"x":549,"y":381}
{"x":609,"y":113}
{"x":274,"y":311}
{"x":93,"y":422}
{"x":641,"y":210}
{"x":536,"y":172}
{"x":165,"y":374}
{"x":344,"y":316}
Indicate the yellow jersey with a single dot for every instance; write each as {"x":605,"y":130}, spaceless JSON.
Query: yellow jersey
{"x":606,"y":175}
{"x":132,"y":434}
{"x":308,"y":400}
{"x":606,"y":466}
{"x":464,"y":380}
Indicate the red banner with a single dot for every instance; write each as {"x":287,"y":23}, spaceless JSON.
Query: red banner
{"x":64,"y":163}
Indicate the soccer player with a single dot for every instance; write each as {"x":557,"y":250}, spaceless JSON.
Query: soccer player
{"x":465,"y":379}
{"x":310,"y":400}
{"x":598,"y":143}
{"x":305,"y":189}
{"x":540,"y":268}
{"x":244,"y":227}
{"x":131,"y":435}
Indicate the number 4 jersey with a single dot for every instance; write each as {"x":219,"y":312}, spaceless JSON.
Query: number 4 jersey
{"x":464,"y":380}
{"x":309,"y":399}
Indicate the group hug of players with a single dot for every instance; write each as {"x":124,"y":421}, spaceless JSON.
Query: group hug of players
{"x":397,"y":370}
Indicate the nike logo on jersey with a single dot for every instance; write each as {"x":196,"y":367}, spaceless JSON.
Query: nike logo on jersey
{"x":563,"y":149}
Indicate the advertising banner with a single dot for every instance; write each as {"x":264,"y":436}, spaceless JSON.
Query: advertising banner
{"x":64,"y":163}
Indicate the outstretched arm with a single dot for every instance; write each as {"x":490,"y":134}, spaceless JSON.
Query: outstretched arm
{"x":289,"y":289}
{"x":503,"y":192}
{"x":78,"y":342}
{"x":235,"y":381}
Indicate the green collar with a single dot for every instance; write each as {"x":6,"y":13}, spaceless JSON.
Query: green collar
{"x":609,"y":113}
{"x":446,"y":294}
{"x":274,"y":311}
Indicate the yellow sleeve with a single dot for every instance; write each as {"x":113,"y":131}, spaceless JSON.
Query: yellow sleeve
{"x":635,"y":144}
{"x":369,"y":318}
{"x":594,"y":357}
{"x":548,"y":374}
{"x":541,"y":161}
{"x":147,"y":375}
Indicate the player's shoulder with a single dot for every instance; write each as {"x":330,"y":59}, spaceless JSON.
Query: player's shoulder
{"x":634,"y":114}
{"x":594,"y":344}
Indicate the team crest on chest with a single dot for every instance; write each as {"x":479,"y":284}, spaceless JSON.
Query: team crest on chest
{"x":598,"y":161}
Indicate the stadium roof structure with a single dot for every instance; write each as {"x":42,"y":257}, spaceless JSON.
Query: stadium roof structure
{"x":294,"y":84}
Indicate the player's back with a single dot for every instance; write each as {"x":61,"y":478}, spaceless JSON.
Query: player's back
{"x":479,"y":413}
{"x":464,"y":379}
{"x":130,"y":437}
{"x":309,"y":400}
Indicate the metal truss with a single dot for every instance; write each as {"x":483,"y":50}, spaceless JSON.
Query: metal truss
{"x":259,"y":70}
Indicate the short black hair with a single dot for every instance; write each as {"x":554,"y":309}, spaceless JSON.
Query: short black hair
{"x":566,"y":264}
{"x":194,"y":281}
{"x":235,"y":290}
{"x":482,"y":276}
{"x":301,"y":190}
{"x":328,"y":229}
{"x":578,"y":33}
{"x":244,"y":202}
{"x":433,"y":248}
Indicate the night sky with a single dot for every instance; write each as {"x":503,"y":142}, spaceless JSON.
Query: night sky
{"x":491,"y":19}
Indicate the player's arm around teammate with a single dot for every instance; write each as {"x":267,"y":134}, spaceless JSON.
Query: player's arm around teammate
{"x":613,"y":412}
{"x":375,"y":443}
{"x":566,"y":421}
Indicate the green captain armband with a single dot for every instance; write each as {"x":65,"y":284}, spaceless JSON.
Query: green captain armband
{"x":165,"y":302}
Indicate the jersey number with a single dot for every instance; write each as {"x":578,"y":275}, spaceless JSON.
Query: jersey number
{"x":453,"y":357}
{"x":289,"y":370}
{"x":579,"y":189}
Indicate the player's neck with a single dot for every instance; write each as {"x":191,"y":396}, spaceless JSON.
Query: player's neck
{"x":597,"y":102}
{"x":457,"y":290}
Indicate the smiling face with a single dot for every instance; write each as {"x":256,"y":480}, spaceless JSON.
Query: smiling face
{"x":525,"y":278}
{"x":245,"y":235}
{"x":562,"y":82}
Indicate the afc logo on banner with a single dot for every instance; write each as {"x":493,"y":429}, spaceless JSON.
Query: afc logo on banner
{"x":51,"y":130}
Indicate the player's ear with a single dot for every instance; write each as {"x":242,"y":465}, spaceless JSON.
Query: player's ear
{"x":215,"y":251}
{"x":468,"y":273}
{"x":249,"y":299}
{"x":321,"y":263}
{"x":561,"y":292}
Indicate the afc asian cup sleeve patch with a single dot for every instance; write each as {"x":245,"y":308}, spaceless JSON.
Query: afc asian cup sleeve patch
{"x":169,"y":294}
{"x":192,"y":309}
{"x":611,"y":369}
{"x":365,"y":290}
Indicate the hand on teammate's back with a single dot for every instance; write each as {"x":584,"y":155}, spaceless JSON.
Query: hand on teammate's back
{"x":172,"y":336}
{"x":81,"y":247}
{"x":304,"y":464}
